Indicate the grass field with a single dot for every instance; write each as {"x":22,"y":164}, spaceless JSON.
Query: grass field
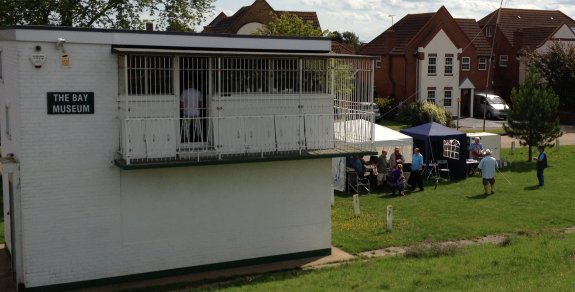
{"x":537,"y":263}
{"x":458,"y":209}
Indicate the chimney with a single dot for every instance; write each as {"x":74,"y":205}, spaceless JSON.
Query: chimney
{"x":149,"y":26}
{"x":389,"y":40}
{"x":517,"y":39}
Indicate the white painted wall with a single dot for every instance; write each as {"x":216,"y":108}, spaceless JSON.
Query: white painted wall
{"x":564,"y":34}
{"x":440,"y":45}
{"x":84,"y":218}
{"x":250,"y":28}
{"x":9,"y":91}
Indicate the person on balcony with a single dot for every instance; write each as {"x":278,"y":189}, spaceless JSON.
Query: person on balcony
{"x":191,"y":104}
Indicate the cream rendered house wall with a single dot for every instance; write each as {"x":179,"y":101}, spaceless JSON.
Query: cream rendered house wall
{"x":564,"y":35}
{"x":440,"y":45}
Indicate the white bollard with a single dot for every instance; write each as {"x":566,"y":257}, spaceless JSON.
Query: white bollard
{"x":389,"y":217}
{"x":332,"y":196}
{"x":356,"y":205}
{"x":512,"y":147}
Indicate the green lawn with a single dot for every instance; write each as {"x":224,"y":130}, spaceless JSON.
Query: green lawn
{"x":537,"y":263}
{"x":458,"y":209}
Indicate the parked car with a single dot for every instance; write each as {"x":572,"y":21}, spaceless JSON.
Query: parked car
{"x":492,"y":105}
{"x":371,"y":106}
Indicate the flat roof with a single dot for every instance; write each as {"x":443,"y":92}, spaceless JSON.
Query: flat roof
{"x":183,"y":51}
{"x":142,"y":38}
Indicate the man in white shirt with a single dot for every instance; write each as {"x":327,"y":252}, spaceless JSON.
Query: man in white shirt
{"x":191,"y":103}
{"x":488,"y":166}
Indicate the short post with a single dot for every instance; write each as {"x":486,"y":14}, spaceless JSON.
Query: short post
{"x":356,"y":205}
{"x":512,"y":147}
{"x":557,"y":145}
{"x":332,"y":196}
{"x":389,"y":217}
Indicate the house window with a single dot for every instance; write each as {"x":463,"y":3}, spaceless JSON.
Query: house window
{"x":378,"y":62}
{"x":488,"y":31}
{"x":503,"y":60}
{"x":449,"y":64}
{"x":431,"y":94}
{"x":465,"y":63}
{"x":482,"y":63}
{"x":447,"y":99}
{"x":432,"y":65}
{"x":7,"y":122}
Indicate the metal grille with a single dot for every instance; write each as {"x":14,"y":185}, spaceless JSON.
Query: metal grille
{"x":205,"y":108}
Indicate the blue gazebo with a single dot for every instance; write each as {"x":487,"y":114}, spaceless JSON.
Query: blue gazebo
{"x":430,"y":137}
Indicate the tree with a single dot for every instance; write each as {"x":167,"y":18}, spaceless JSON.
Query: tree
{"x":532,"y":119}
{"x":173,"y":15}
{"x":347,"y":37}
{"x":290,"y":25}
{"x":557,"y":66}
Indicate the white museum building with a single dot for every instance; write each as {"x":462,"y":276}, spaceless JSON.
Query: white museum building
{"x":144,"y":153}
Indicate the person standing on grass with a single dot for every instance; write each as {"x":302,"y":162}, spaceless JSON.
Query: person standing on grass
{"x":381,"y":168}
{"x":488,"y":165}
{"x":416,"y":169}
{"x":541,"y":164}
{"x":394,"y":157}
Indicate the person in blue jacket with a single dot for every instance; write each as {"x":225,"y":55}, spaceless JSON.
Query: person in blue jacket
{"x":541,"y":164}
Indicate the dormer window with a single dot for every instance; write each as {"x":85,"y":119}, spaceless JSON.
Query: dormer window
{"x":489,"y":31}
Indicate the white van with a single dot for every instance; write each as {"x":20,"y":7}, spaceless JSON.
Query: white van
{"x":493,"y":106}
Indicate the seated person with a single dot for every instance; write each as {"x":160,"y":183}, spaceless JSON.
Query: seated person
{"x":358,"y":165}
{"x":398,"y":180}
{"x":476,"y":149}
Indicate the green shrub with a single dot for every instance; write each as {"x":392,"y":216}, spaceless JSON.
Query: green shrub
{"x":415,"y":113}
{"x":387,"y":107}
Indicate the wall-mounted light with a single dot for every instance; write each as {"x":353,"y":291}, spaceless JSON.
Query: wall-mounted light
{"x":60,"y":44}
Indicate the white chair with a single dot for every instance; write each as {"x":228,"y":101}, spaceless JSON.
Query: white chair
{"x":443,"y":167}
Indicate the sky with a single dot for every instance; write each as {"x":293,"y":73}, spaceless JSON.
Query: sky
{"x":369,"y":18}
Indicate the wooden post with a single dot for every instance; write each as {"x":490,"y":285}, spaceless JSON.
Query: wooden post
{"x":512,"y":147}
{"x":356,"y":205}
{"x":389,"y":217}
{"x":557,"y":145}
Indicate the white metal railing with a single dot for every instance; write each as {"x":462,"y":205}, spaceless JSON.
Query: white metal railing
{"x":224,"y":107}
{"x":223,"y":138}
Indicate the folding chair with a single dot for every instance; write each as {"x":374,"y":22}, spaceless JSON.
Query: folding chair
{"x":429,"y":169}
{"x":356,"y":183}
{"x":443,"y":167}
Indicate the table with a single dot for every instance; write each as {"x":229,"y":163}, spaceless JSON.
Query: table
{"x":472,"y":166}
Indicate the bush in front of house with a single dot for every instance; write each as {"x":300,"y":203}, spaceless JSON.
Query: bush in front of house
{"x":387,"y":107}
{"x":415,"y":113}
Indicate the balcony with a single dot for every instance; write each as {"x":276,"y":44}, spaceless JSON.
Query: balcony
{"x":197,"y":110}
{"x":162,"y":142}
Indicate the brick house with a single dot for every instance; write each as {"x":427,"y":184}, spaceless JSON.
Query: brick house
{"x":107,"y":176}
{"x":520,"y":31}
{"x":249,"y":18}
{"x":431,"y":57}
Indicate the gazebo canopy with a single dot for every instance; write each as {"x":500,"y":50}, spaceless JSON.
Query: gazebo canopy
{"x":429,"y":139}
